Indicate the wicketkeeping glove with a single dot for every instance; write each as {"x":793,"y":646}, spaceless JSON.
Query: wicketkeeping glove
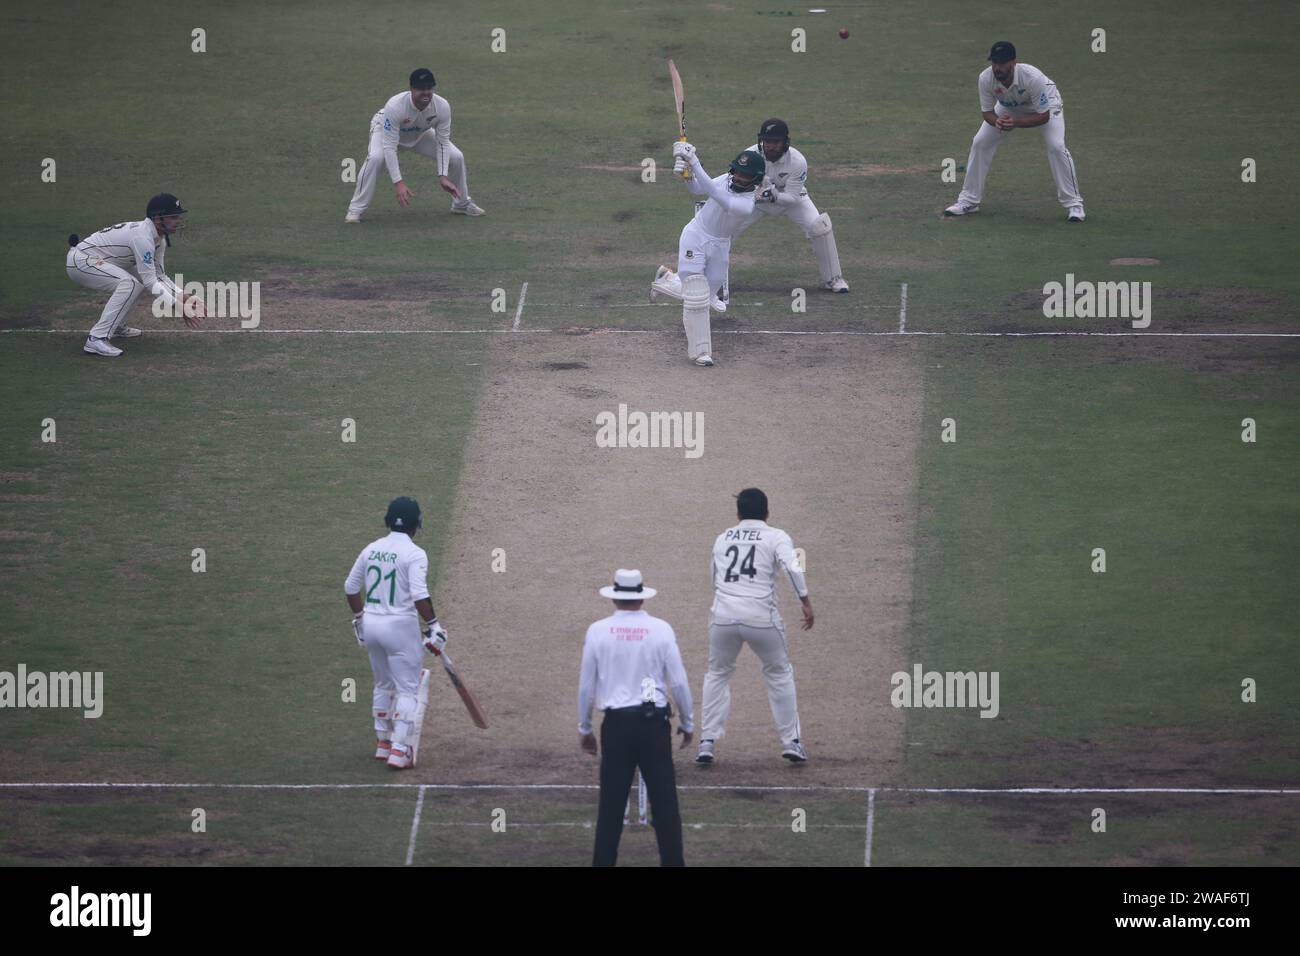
{"x":435,"y":638}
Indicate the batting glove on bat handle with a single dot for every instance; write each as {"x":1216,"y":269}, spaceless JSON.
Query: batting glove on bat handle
{"x":435,"y":638}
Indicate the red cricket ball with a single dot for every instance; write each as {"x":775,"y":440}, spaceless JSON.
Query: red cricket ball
{"x":844,"y":33}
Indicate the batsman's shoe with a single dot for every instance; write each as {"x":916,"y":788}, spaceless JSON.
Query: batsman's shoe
{"x":100,"y":347}
{"x":704,"y":361}
{"x":126,"y":332}
{"x":399,"y":759}
{"x":718,"y":305}
{"x":705,"y":756}
{"x":466,"y":209}
{"x":794,"y":752}
{"x":383,"y":749}
{"x":960,"y":208}
{"x":666,"y":282}
{"x":1076,"y":214}
{"x":352,"y":217}
{"x":837,"y":284}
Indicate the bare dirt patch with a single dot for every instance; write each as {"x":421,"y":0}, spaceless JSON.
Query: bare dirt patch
{"x":835,"y":450}
{"x":853,"y":170}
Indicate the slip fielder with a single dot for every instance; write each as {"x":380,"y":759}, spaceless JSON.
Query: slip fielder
{"x":1015,"y":95}
{"x":784,"y":193}
{"x":388,"y":593}
{"x":704,"y":248}
{"x":417,"y":119}
{"x":129,"y":258}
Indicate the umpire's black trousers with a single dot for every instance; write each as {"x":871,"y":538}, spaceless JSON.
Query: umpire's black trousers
{"x":629,"y":739}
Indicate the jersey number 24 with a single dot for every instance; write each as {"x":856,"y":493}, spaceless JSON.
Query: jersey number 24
{"x":746,"y":566}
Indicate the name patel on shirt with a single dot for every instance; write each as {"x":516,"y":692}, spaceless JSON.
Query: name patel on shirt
{"x":629,"y":633}
{"x":744,"y":534}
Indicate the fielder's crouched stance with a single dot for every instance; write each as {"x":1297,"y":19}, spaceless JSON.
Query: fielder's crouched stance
{"x":418,"y":119}
{"x":127,"y":259}
{"x":392,"y":616}
{"x":704,"y":249}
{"x":784,"y":193}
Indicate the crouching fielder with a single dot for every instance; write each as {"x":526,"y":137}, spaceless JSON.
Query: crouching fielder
{"x":784,"y":193}
{"x":126,"y":259}
{"x":704,"y":249}
{"x":392,"y":615}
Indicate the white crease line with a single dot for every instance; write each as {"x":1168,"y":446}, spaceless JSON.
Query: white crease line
{"x":902,"y":308}
{"x":587,"y":331}
{"x":1047,"y":791}
{"x":871,"y":816}
{"x":415,"y":826}
{"x":519,"y":309}
{"x":588,"y":825}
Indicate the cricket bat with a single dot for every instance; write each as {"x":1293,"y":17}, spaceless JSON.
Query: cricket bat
{"x":471,"y":704}
{"x":680,"y":98}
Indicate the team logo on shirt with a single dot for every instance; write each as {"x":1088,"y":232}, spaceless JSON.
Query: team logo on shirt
{"x":690,"y":253}
{"x":148,"y":258}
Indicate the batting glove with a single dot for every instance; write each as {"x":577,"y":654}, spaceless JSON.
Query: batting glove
{"x":679,"y":165}
{"x":683,"y":150}
{"x":356,"y":628}
{"x":435,"y":638}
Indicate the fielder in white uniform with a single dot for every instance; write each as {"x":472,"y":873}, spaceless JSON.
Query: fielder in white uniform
{"x":784,"y":193}
{"x":129,"y":258}
{"x":745,"y":565}
{"x":704,"y":248}
{"x":1015,"y":95}
{"x":392,"y":615}
{"x":417,"y":119}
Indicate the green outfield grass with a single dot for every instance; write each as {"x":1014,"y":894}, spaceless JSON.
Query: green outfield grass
{"x":231,"y":443}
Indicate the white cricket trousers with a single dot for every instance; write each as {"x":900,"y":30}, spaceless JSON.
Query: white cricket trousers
{"x":426,"y":145}
{"x":396,"y":653}
{"x":986,"y":144}
{"x":699,"y":253}
{"x":94,"y":273}
{"x":725,"y":642}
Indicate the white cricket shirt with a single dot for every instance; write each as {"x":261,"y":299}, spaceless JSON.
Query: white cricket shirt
{"x":136,"y":247}
{"x":745,"y":565}
{"x":1030,"y":91}
{"x":620,"y":653}
{"x":725,"y":212}
{"x":391,"y":574}
{"x":403,"y":124}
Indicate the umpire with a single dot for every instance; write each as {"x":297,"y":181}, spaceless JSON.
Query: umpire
{"x":629,"y":662}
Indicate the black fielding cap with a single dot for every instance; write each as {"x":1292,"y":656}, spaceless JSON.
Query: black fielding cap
{"x":164,"y":204}
{"x":1004,"y":51}
{"x":422,"y":79}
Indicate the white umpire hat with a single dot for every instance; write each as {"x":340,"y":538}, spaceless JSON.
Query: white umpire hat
{"x":627,"y":586}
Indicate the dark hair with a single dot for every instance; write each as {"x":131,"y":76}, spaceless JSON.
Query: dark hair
{"x":751,"y":503}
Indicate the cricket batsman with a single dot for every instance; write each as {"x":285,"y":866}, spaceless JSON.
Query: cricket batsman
{"x":704,"y":249}
{"x":392,"y":615}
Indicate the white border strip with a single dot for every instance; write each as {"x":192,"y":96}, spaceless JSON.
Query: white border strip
{"x":666,"y":332}
{"x":1041,"y":791}
{"x":415,"y":826}
{"x":586,"y":331}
